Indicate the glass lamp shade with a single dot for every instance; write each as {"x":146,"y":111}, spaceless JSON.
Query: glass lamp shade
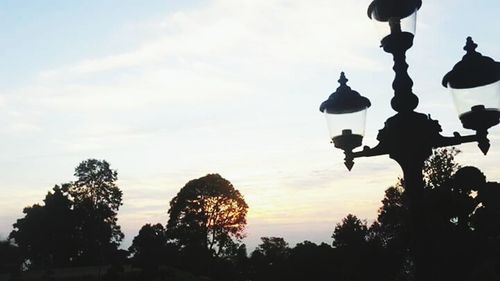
{"x":478,"y":108}
{"x":394,"y":16}
{"x":475,"y":86}
{"x":395,"y":25}
{"x":346,"y":129}
{"x":345,"y":112}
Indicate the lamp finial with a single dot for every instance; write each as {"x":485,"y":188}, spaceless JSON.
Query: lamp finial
{"x":342,"y":80}
{"x":470,"y":46}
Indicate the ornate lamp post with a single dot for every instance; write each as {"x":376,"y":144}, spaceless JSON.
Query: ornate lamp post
{"x":409,"y":137}
{"x":345,"y":112}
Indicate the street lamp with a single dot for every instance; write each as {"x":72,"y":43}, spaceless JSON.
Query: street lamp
{"x":475,"y":83}
{"x":395,"y":16}
{"x":408,"y":137}
{"x":345,"y":112}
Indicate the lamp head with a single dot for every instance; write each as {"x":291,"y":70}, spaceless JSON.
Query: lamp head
{"x":344,"y":100}
{"x":345,"y":112}
{"x":385,"y":10}
{"x":475,"y":85}
{"x":474,"y":70}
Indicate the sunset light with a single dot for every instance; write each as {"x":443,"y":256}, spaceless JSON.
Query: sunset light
{"x":169,"y":93}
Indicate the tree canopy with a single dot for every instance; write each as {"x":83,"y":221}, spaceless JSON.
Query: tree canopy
{"x":269,"y":259}
{"x":76,"y":224}
{"x":97,"y":200}
{"x":149,"y":247}
{"x":440,"y":166}
{"x":207,"y":213}
{"x":11,"y":257}
{"x":351,"y":232}
{"x":47,"y":232}
{"x":273,"y":249}
{"x":462,"y":236}
{"x":96,"y":183}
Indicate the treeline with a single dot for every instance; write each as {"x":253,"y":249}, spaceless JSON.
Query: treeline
{"x":77,"y":226}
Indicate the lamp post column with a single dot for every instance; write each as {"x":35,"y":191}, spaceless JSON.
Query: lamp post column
{"x":420,"y":239}
{"x":408,"y":138}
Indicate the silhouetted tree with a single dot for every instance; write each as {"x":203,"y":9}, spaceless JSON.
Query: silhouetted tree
{"x":241,"y":263}
{"x":77,"y":223}
{"x":231,"y":268}
{"x":352,"y":232}
{"x":273,"y":249}
{"x":485,"y":221}
{"x":46,"y":234}
{"x":268,"y":260}
{"x":207,"y":214}
{"x":308,"y":261}
{"x":457,"y":241}
{"x":392,"y":220}
{"x":11,"y":258}
{"x":149,"y":247}
{"x":350,"y":243}
{"x":393,"y":228}
{"x":97,"y":200}
{"x":392,"y":232}
{"x":440,"y":166}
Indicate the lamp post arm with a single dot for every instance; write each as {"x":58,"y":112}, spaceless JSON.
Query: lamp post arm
{"x":365,"y":152}
{"x":481,"y":137}
{"x":368,"y":151}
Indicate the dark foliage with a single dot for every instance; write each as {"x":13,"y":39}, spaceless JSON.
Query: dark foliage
{"x":11,"y":257}
{"x":76,"y":225}
{"x":351,"y":233}
{"x":47,"y":233}
{"x":309,"y":261}
{"x":357,"y":246}
{"x":207,"y":215}
{"x":149,"y":248}
{"x":461,"y":236}
{"x":440,"y":167}
{"x":97,"y":200}
{"x":268,"y":261}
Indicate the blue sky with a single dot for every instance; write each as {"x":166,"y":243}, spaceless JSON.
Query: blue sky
{"x":168,"y":91}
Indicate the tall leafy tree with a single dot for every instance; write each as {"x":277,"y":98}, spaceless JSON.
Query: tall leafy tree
{"x":77,"y":223}
{"x":309,"y":261}
{"x":207,"y":214}
{"x":392,"y":220}
{"x":350,"y":243}
{"x":392,"y":231}
{"x":96,"y":183}
{"x":351,"y":232}
{"x":356,"y":247}
{"x":148,"y":247}
{"x":47,"y":233}
{"x":97,"y":200}
{"x":393,"y":228}
{"x":461,"y":219}
{"x":440,"y":167}
{"x":269,"y":260}
{"x":11,"y":258}
{"x":273,"y":249}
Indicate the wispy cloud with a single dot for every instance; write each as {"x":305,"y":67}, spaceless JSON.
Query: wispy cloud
{"x":228,"y":86}
{"x":252,"y":34}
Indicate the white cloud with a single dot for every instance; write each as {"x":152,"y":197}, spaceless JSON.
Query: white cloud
{"x":230,"y":87}
{"x":256,"y":33}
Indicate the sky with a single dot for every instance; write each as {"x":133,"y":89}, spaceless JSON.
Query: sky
{"x":169,"y":91}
